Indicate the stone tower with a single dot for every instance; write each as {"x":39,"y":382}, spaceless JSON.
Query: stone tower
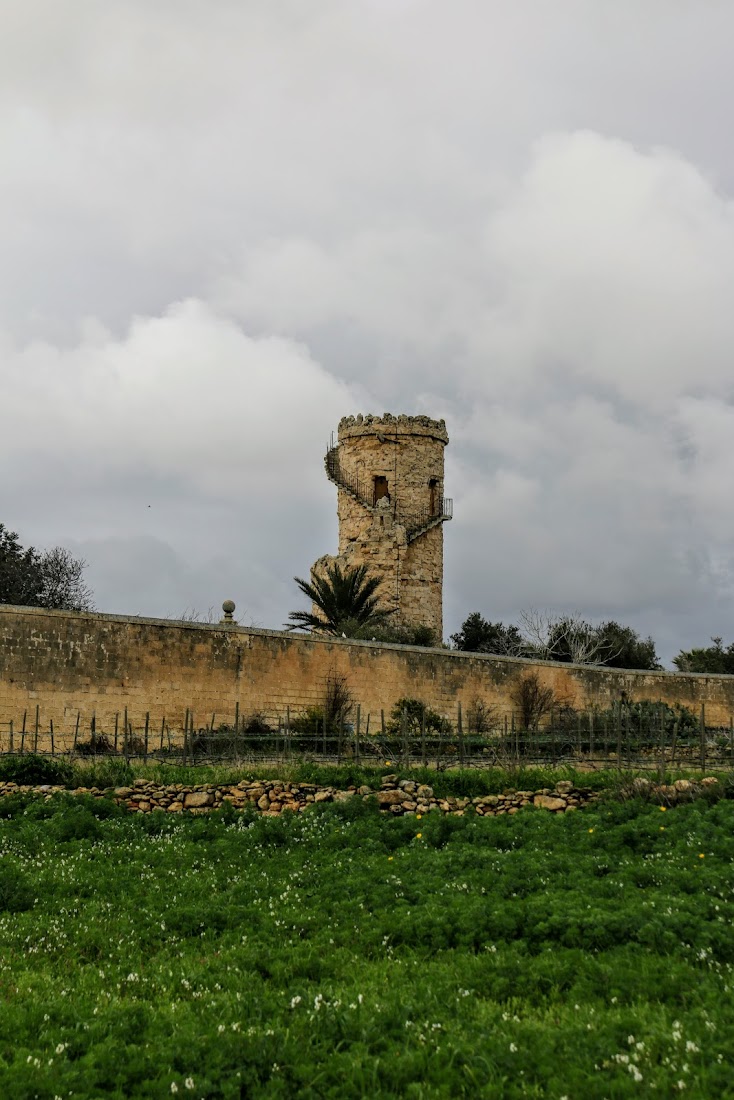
{"x":389,"y":474}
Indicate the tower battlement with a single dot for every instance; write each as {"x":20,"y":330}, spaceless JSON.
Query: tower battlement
{"x":388,"y":424}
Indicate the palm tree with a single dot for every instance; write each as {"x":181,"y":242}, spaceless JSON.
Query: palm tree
{"x":345,"y":598}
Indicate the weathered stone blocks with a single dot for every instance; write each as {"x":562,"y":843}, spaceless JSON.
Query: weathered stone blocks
{"x":389,"y":473}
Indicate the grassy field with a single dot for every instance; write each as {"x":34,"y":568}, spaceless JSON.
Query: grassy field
{"x":342,"y":954}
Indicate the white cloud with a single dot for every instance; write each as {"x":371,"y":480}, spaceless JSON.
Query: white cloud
{"x":182,"y":445}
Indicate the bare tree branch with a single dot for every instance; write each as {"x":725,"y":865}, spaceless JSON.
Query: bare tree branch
{"x":568,"y":637}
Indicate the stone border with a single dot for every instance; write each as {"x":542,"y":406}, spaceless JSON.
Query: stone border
{"x":398,"y":798}
{"x":273,"y":797}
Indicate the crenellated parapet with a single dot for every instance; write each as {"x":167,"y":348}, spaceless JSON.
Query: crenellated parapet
{"x":351,"y":427}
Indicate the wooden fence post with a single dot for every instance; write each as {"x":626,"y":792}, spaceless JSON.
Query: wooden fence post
{"x":703,"y":737}
{"x":357,"y":756}
{"x":618,"y":724}
{"x":35,"y":731}
{"x":628,"y":737}
{"x":674,"y":741}
{"x":661,"y":761}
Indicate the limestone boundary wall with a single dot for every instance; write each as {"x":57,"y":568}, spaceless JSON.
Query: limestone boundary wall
{"x":65,"y":662}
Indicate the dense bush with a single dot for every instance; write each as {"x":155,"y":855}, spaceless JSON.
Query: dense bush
{"x":643,"y":721}
{"x":16,"y":892}
{"x":717,"y":659}
{"x":32,"y":769}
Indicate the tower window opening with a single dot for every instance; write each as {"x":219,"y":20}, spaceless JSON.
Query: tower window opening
{"x":380,"y":489}
{"x":433,"y":493}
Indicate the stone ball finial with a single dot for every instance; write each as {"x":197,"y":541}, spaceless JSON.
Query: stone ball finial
{"x":228,"y":608}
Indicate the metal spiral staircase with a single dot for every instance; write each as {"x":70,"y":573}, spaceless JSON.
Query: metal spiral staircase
{"x":415,"y":523}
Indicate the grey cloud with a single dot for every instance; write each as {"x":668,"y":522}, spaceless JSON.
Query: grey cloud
{"x":226,"y":225}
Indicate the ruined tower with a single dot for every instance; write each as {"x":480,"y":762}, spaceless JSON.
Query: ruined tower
{"x":389,"y":474}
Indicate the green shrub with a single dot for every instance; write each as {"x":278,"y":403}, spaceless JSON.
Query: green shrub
{"x":103,"y":772}
{"x":77,"y":822}
{"x":35,"y":770}
{"x":16,"y":893}
{"x":417,"y":715}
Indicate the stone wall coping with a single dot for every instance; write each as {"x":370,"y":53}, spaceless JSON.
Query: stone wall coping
{"x":315,"y":639}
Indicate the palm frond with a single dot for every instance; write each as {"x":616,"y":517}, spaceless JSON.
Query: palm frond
{"x":342,"y":596}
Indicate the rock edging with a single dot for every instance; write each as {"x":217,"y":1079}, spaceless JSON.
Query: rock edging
{"x":396,"y":797}
{"x":273,"y":797}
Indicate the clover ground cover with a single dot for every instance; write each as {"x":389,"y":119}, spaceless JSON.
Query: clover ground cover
{"x":341,"y":953}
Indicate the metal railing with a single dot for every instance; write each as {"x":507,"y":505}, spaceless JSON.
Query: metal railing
{"x":418,"y":522}
{"x":415,"y":523}
{"x":359,"y":489}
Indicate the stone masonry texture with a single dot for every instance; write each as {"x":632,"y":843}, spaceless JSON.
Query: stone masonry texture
{"x":405,"y":455}
{"x":67,"y":663}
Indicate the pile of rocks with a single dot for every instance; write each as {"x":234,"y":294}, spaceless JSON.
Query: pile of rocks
{"x":273,"y":797}
{"x":682,"y":790}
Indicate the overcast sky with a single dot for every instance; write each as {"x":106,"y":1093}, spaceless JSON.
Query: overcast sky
{"x":224,"y":224}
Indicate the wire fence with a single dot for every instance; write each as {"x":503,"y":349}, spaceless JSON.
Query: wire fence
{"x":634,"y":736}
